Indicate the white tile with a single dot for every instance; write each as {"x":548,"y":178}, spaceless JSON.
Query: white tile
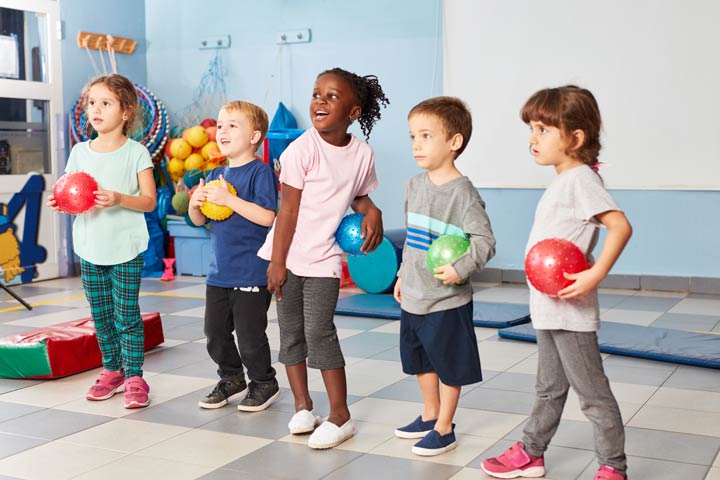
{"x":697,"y":306}
{"x":386,"y":412}
{"x":716,"y":463}
{"x":529,"y":365}
{"x":713,"y":474}
{"x":146,"y":467}
{"x":203,"y":447}
{"x":573,"y":411}
{"x":124,"y":435}
{"x":38,"y":321}
{"x":486,"y":423}
{"x":198,"y":312}
{"x":633,"y":317}
{"x":50,"y":393}
{"x":368,"y":436}
{"x":346,"y":333}
{"x":482,"y":333}
{"x":467,"y":449}
{"x":686,"y":399}
{"x":57,"y":461}
{"x":392,"y":327}
{"x":472,"y":474}
{"x":679,"y":420}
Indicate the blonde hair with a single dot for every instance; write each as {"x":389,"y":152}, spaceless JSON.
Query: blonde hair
{"x":257,"y":116}
{"x":125,"y":91}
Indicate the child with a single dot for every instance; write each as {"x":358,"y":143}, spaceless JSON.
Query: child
{"x":237,"y":297}
{"x":437,"y":336}
{"x":111,"y":237}
{"x":565,"y":133}
{"x":324,"y":171}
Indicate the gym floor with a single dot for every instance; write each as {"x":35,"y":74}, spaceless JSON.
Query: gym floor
{"x":48,"y":430}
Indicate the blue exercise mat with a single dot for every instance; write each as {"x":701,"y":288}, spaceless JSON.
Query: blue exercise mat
{"x":664,"y":344}
{"x":485,"y":314}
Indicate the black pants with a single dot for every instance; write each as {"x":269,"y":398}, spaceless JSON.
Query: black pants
{"x":228,"y":309}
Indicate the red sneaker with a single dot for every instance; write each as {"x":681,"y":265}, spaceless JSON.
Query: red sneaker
{"x":609,"y":473}
{"x":513,"y":463}
{"x":136,"y":393}
{"x":106,"y":385}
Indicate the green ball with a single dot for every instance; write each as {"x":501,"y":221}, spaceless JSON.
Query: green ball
{"x":180,"y":202}
{"x":445,"y":250}
{"x":192,"y":177}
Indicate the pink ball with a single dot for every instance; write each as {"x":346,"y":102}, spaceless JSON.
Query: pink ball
{"x":73,"y":192}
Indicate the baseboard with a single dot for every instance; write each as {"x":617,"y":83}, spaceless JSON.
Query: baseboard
{"x":706,"y":285}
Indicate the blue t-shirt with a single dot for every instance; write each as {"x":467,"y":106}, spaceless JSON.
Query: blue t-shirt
{"x":236,"y":240}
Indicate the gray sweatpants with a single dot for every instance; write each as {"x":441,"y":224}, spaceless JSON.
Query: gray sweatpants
{"x":573,"y":359}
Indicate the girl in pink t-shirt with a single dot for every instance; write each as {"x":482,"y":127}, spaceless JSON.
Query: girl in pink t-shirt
{"x":324,"y":171}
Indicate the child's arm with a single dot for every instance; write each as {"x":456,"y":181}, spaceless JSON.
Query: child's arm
{"x":283,"y":236}
{"x":372,"y":226}
{"x":196,"y":200}
{"x":220,"y":195}
{"x":145,"y":202}
{"x":619,"y":232}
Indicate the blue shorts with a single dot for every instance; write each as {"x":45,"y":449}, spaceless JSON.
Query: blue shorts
{"x":441,"y":342}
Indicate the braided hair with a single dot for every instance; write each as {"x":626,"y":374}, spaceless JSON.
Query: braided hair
{"x":369,"y":94}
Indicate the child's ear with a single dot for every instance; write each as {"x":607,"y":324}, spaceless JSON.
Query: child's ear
{"x":577,"y":139}
{"x":255,"y":137}
{"x":355,"y":113}
{"x":456,"y":142}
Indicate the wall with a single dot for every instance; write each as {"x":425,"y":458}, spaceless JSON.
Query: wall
{"x":123,"y":19}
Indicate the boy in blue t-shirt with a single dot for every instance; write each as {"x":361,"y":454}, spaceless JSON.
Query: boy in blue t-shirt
{"x":237,"y":297}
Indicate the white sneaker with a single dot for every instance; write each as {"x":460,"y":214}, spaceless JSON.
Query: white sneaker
{"x":303,"y":421}
{"x":329,"y":435}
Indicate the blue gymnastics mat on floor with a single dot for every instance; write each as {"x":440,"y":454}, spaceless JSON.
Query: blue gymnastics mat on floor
{"x":485,"y":314}
{"x":664,"y":344}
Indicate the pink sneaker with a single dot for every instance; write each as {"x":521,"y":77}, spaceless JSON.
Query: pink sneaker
{"x":609,"y":473}
{"x":106,"y":385}
{"x":136,"y":393}
{"x":514,"y":462}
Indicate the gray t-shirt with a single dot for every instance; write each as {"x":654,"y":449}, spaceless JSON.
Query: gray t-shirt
{"x":567,"y":210}
{"x":432,"y":210}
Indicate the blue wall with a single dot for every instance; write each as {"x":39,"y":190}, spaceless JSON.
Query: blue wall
{"x":123,"y":19}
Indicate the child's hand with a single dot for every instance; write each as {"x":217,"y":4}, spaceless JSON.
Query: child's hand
{"x":277,"y":276}
{"x":106,"y":198}
{"x":371,"y":230}
{"x":198,"y":196}
{"x":219,"y":195}
{"x":396,"y":291}
{"x":52,"y":203}
{"x":448,"y":275}
{"x":585,"y":282}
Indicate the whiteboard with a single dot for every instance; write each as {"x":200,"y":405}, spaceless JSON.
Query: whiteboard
{"x":653,"y":66}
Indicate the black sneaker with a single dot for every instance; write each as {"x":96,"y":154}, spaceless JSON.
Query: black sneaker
{"x":223,"y":392}
{"x":259,"y":397}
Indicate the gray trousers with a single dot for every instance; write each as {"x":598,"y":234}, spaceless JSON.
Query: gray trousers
{"x":568,"y":359}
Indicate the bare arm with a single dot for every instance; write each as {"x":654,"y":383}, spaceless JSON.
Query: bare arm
{"x":372,"y":226}
{"x":283,"y":236}
{"x":145,"y":202}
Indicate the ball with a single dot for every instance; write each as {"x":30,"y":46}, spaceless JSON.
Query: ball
{"x":196,"y":136}
{"x":73,"y":192}
{"x":180,"y":149}
{"x":444,"y":250}
{"x":175,"y":168}
{"x":194,"y":161}
{"x":192,"y":177}
{"x":180,"y":202}
{"x":214,"y":211}
{"x":348,"y":234}
{"x":548,"y":259}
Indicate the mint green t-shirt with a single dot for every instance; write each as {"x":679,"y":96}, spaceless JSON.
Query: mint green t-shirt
{"x":113,"y":235}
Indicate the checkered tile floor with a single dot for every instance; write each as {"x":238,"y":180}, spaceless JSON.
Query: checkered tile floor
{"x":48,"y":430}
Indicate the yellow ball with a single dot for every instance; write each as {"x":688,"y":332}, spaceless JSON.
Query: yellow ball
{"x":214,"y":211}
{"x":180,"y":149}
{"x":194,"y":162}
{"x":196,"y":136}
{"x":176,"y":168}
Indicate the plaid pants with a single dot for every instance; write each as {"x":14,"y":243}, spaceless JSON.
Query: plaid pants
{"x":112,"y":291}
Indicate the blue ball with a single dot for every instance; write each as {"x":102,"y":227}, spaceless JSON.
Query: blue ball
{"x":348,"y":234}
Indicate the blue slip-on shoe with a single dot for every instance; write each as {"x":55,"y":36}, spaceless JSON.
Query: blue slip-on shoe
{"x":415,"y":429}
{"x":435,"y":444}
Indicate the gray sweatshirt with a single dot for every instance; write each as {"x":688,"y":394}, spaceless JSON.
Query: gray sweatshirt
{"x":432,"y":210}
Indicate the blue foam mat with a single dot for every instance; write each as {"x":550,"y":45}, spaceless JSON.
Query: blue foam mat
{"x":485,"y":314}
{"x":664,"y":344}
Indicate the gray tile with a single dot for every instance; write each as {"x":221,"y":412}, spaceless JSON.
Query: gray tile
{"x":490,"y":275}
{"x":169,"y":304}
{"x":705,"y":285}
{"x":611,"y":300}
{"x":11,"y":384}
{"x":406,"y":390}
{"x":388,"y":468}
{"x":637,"y":370}
{"x":628,"y":282}
{"x":12,"y":444}
{"x":366,"y":344}
{"x":672,"y":284}
{"x":149,"y":285}
{"x":11,"y":330}
{"x":265,"y":424}
{"x":178,"y":320}
{"x":687,"y":322}
{"x":649,"y":304}
{"x":321,"y":406}
{"x":183,"y":411}
{"x":516,"y":382}
{"x":36,"y":311}
{"x":498,"y":401}
{"x":171,"y":358}
{"x":202,"y":369}
{"x":704,"y":296}
{"x":647,"y":468}
{"x":561,"y":463}
{"x":695,"y":378}
{"x":9,"y":411}
{"x":295,"y":461}
{"x":189,"y":332}
{"x":360,"y":323}
{"x":671,"y":446}
{"x":514,"y":276}
{"x":52,"y":424}
{"x":391,"y":354}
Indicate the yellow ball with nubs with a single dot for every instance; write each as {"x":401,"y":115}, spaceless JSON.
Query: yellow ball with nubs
{"x":214,"y":211}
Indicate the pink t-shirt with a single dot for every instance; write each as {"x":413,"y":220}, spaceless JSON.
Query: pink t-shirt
{"x":330,"y":178}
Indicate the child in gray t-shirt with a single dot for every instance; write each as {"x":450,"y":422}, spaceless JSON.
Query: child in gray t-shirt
{"x":565,"y":133}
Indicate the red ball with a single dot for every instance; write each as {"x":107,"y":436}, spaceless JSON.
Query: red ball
{"x":73,"y":192}
{"x":548,"y":259}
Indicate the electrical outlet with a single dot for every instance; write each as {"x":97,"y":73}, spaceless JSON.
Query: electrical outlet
{"x":214,"y":41}
{"x":294,"y":36}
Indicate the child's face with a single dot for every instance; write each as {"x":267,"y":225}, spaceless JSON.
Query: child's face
{"x":104,"y":111}
{"x":235,"y":136}
{"x":333,"y":106}
{"x":549,"y":147}
{"x":431,"y":146}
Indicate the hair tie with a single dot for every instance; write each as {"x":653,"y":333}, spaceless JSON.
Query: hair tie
{"x":596,"y":166}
